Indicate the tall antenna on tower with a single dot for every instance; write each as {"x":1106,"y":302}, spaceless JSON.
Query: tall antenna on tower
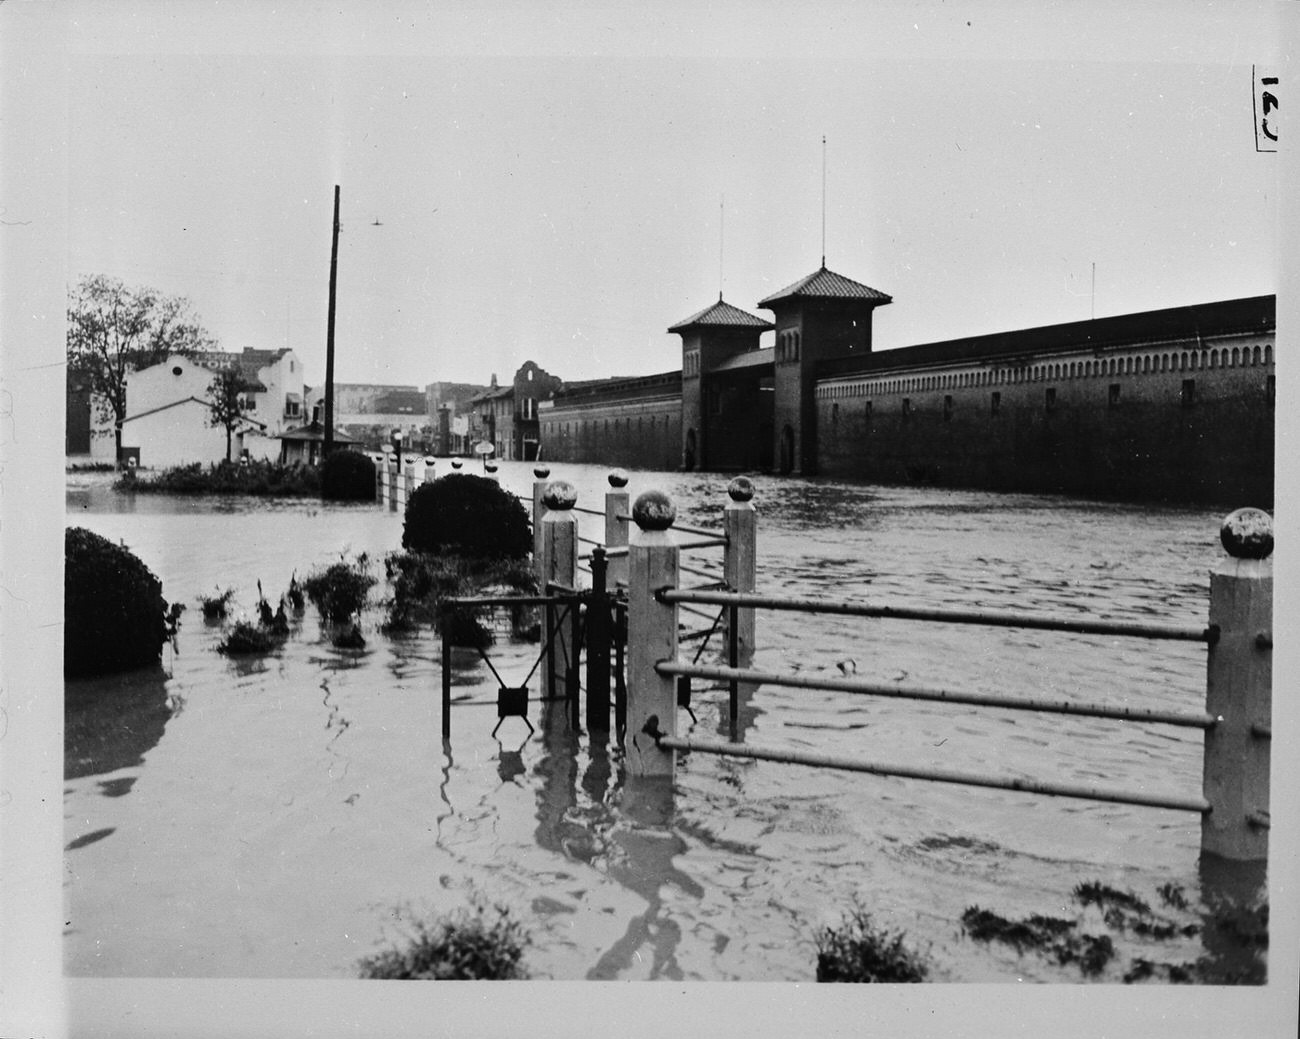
{"x":823,"y":200}
{"x":722,"y":222}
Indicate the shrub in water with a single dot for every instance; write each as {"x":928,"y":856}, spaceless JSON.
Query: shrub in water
{"x":245,"y":639}
{"x":340,"y":591}
{"x":114,"y":616}
{"x":347,"y":476}
{"x":478,"y":945}
{"x":861,"y":952}
{"x":467,"y":516}
{"x":421,"y":582}
{"x":214,"y":607}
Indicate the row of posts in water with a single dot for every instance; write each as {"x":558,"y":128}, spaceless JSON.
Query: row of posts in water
{"x":644,"y":562}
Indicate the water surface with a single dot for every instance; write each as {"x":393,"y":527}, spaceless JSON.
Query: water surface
{"x":272,"y":817}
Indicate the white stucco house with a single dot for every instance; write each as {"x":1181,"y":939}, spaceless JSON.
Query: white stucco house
{"x":168,"y":409}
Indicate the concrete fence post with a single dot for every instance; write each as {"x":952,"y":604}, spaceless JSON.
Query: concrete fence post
{"x":740,"y":558}
{"x":616,"y":530}
{"x":559,"y":565}
{"x":651,"y":635}
{"x":379,"y":482}
{"x":541,"y":476}
{"x":1239,"y":691}
{"x":408,"y":482}
{"x":385,"y":481}
{"x":429,"y":474}
{"x":394,"y":480}
{"x":490,"y":471}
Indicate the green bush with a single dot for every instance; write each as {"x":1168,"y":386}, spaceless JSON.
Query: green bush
{"x":347,"y":476}
{"x":467,"y":516}
{"x":340,"y":591}
{"x":861,"y":952}
{"x":475,"y":945}
{"x":114,"y":616}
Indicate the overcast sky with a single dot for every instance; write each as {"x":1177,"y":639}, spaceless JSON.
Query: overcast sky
{"x":564,"y":185}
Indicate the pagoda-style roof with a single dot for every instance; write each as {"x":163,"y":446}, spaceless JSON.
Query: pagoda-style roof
{"x":826,"y":284}
{"x":722,"y":315}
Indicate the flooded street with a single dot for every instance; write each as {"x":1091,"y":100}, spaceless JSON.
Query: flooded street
{"x":274,"y":817}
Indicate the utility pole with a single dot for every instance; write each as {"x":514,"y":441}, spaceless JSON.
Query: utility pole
{"x":328,"y":445}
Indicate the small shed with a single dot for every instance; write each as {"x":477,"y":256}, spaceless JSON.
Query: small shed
{"x":302,"y":445}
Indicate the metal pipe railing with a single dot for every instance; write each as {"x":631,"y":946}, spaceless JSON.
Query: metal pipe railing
{"x":1028,"y":786}
{"x":992,"y":618}
{"x":720,"y":673}
{"x":685,"y":529}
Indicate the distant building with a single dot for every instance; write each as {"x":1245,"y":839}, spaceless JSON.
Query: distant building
{"x":1173,"y":404}
{"x":169,"y":419}
{"x":508,"y":417}
{"x":164,"y":425}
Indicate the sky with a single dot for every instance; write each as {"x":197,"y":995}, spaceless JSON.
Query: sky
{"x":562,"y":184}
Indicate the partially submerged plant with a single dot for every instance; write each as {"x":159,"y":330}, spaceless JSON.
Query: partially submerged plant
{"x":478,"y":944}
{"x":246,"y":638}
{"x":859,"y":951}
{"x":115,"y":617}
{"x":1240,"y":933}
{"x":215,"y":606}
{"x":340,"y":591}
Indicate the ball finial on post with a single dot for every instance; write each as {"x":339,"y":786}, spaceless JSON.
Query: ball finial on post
{"x":541,"y":471}
{"x":1247,"y":534}
{"x":618,"y":478}
{"x":741,"y":489}
{"x":559,"y":496}
{"x":653,"y":510}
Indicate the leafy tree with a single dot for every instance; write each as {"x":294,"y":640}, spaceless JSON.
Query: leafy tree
{"x":114,"y":330}
{"x":224,"y":394}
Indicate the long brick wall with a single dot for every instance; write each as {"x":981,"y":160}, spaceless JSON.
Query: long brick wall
{"x":1187,"y":420}
{"x":641,"y":432}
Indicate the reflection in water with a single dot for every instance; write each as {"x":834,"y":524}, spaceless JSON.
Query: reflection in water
{"x":110,"y":723}
{"x":626,"y":832}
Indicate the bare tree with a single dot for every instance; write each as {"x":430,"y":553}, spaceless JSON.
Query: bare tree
{"x":224,"y":395}
{"x":114,"y":330}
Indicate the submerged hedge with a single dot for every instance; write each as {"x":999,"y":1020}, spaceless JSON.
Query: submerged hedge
{"x":468,"y":516}
{"x":347,"y":476}
{"x":114,"y":615}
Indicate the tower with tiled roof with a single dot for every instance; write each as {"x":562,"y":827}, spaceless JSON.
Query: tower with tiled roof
{"x":824,"y":316}
{"x":711,"y":337}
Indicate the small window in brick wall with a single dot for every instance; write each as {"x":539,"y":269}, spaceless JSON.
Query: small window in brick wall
{"x":947,"y":408}
{"x":995,"y":403}
{"x":1189,"y":392}
{"x":907,"y":408}
{"x":1049,"y":400}
{"x":1270,"y":388}
{"x":835,"y":414}
{"x":1112,"y":395}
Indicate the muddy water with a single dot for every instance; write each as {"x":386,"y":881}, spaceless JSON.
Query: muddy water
{"x":276,"y":817}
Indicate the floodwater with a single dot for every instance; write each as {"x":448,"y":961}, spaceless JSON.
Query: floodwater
{"x":276,"y":817}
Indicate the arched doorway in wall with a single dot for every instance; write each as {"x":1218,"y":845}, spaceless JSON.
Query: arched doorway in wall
{"x":786,"y":462}
{"x":689,"y":455}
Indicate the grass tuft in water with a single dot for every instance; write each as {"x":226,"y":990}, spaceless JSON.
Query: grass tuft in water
{"x":477,"y":944}
{"x":859,"y":951}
